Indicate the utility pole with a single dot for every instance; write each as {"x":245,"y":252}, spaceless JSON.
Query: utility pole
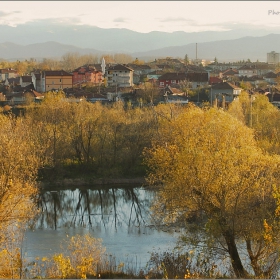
{"x":251,"y":113}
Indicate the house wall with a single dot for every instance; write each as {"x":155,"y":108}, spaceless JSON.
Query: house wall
{"x":165,"y":83}
{"x":24,"y":84}
{"x":120,"y":77}
{"x":192,"y":85}
{"x":57,"y":82}
{"x":8,"y":75}
{"x":218,"y":93}
{"x":95,"y":77}
{"x":37,"y":83}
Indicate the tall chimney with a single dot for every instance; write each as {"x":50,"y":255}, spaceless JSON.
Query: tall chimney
{"x":195,"y":50}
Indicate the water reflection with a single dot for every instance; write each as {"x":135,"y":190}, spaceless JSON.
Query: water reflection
{"x":119,"y":215}
{"x":107,"y":208}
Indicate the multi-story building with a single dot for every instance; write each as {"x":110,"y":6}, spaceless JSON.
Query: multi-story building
{"x":56,"y":80}
{"x":119,"y":75}
{"x":225,"y":90}
{"x":87,"y":73}
{"x":36,"y":80}
{"x":273,"y":57}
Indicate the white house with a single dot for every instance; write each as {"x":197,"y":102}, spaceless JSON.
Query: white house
{"x":119,"y":75}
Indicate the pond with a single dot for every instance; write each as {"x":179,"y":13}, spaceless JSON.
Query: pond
{"x":120,"y":216}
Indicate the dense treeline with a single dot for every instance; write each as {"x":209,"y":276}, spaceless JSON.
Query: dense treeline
{"x":91,"y":138}
{"x":68,"y":62}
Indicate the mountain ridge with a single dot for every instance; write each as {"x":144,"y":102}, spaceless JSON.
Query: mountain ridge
{"x":248,"y":47}
{"x":113,"y":39}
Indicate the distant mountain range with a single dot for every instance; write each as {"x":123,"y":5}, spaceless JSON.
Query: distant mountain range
{"x":253,"y":48}
{"x":40,"y":40}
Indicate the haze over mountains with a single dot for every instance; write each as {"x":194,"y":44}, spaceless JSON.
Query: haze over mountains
{"x":39,"y":40}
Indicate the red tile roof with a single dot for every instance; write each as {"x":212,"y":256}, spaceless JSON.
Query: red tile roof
{"x":214,"y":80}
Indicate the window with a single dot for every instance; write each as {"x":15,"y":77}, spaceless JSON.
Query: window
{"x":161,"y":83}
{"x":60,"y":80}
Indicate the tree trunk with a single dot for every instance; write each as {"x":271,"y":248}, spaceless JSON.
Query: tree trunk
{"x":237,"y":266}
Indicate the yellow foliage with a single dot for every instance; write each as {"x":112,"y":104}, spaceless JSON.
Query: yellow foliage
{"x":79,"y":261}
{"x":208,"y":162}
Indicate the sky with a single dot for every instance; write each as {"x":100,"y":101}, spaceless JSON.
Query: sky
{"x":147,"y":16}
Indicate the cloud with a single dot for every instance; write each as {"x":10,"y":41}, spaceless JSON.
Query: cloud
{"x":176,"y":19}
{"x":3,"y":14}
{"x":60,"y":21}
{"x":120,"y":19}
{"x":252,"y":25}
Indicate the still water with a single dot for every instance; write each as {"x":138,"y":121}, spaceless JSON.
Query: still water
{"x":120,"y":216}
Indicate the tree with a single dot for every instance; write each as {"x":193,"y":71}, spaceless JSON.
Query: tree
{"x":257,"y":112}
{"x":138,"y":61}
{"x":187,"y":61}
{"x":122,"y":58}
{"x":210,"y":170}
{"x":19,"y":162}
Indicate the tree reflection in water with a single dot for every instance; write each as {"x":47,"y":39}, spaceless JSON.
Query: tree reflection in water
{"x":108,"y":207}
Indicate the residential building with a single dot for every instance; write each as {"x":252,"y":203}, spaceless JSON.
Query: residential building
{"x":155,"y":75}
{"x":255,"y":81}
{"x":25,"y":81}
{"x":223,"y":66}
{"x":273,"y":57}
{"x":247,"y":70}
{"x":7,"y":73}
{"x":255,"y":69}
{"x":36,"y":80}
{"x":87,"y":74}
{"x":271,"y":77}
{"x":56,"y":80}
{"x":229,"y":73}
{"x":140,"y":69}
{"x":193,"y":79}
{"x":224,"y":91}
{"x":119,"y":75}
{"x":214,"y":80}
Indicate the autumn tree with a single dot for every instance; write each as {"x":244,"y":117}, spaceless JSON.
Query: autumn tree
{"x":122,"y":58}
{"x":51,"y":128}
{"x":150,"y":92}
{"x":212,"y":177}
{"x":70,"y":61}
{"x":138,"y":61}
{"x":49,"y":64}
{"x":257,"y":112}
{"x":19,"y":163}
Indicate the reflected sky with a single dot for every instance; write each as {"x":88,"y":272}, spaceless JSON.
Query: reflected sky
{"x":120,"y":216}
